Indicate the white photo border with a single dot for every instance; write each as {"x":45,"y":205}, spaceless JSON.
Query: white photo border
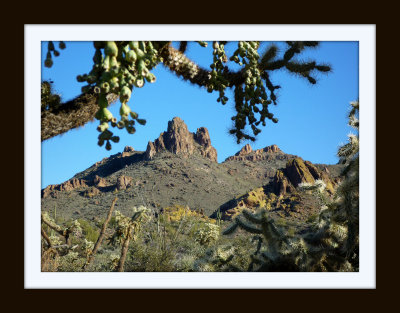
{"x":364,"y":279}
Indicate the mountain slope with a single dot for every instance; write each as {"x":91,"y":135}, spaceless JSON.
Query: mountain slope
{"x":177,"y":168}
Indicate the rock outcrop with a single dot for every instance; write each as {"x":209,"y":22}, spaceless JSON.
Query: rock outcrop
{"x":245,"y":150}
{"x":281,"y":184}
{"x":99,"y":181}
{"x":298,"y":171}
{"x":281,"y":193}
{"x":91,"y":192}
{"x":252,"y":200}
{"x":247,"y":153}
{"x":129,"y":149}
{"x":69,"y":185}
{"x":202,"y":137}
{"x":178,"y":140}
{"x":260,"y":198}
{"x":123,"y":182}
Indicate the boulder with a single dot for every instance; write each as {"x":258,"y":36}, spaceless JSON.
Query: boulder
{"x":123,"y":182}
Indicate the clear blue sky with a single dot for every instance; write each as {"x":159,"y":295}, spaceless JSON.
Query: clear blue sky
{"x":312,"y":119}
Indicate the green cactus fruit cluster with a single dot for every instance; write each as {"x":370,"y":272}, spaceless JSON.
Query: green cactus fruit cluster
{"x":106,"y":136}
{"x":118,"y":68}
{"x":48,"y":62}
{"x":217,"y":79}
{"x":251,"y":98}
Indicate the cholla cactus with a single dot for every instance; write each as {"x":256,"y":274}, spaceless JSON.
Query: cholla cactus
{"x":319,"y":250}
{"x":127,"y":230}
{"x":319,"y":190}
{"x":207,"y":234}
{"x":346,"y":209}
{"x":55,"y":240}
{"x":121,"y":66}
{"x":75,"y":229}
{"x":71,"y":262}
{"x":332,"y":243}
{"x":49,"y":99}
{"x":118,"y":68}
{"x":48,"y":62}
{"x":216,"y":258}
{"x":87,"y":247}
{"x":126,"y":225}
{"x":114,"y":260}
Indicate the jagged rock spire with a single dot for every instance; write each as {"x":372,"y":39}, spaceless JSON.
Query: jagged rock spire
{"x":178,"y":140}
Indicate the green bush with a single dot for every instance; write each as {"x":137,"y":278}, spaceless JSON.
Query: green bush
{"x":90,"y":232}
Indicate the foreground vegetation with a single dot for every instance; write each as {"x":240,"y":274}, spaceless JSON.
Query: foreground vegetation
{"x":180,"y":239}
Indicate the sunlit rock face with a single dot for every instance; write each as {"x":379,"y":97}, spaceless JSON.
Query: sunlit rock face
{"x":178,"y":140}
{"x":247,"y":153}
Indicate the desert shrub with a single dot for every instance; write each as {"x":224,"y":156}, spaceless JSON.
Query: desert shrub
{"x":312,"y":218}
{"x":178,"y":212}
{"x":71,"y":262}
{"x":281,"y":222}
{"x":90,"y":232}
{"x":106,"y":261}
{"x":172,"y":244}
{"x":207,"y":234}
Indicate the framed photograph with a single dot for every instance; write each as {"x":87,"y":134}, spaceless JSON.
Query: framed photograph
{"x":200,"y":156}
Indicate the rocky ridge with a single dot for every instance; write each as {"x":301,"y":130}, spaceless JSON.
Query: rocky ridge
{"x":282,"y":193}
{"x":181,"y":168}
{"x":247,"y":153}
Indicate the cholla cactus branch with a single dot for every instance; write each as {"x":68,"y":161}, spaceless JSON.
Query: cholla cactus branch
{"x":65,"y":232}
{"x":124,"y":251}
{"x":119,"y":66}
{"x":231,"y":229}
{"x":251,"y":217}
{"x":178,"y":63}
{"x":46,"y":237}
{"x":127,"y":230}
{"x":58,"y":118}
{"x":101,"y":235}
{"x":246,"y":227}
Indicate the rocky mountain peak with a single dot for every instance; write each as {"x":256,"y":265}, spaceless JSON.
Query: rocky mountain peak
{"x":245,"y":150}
{"x":178,"y":140}
{"x":272,"y":148}
{"x":247,"y":153}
